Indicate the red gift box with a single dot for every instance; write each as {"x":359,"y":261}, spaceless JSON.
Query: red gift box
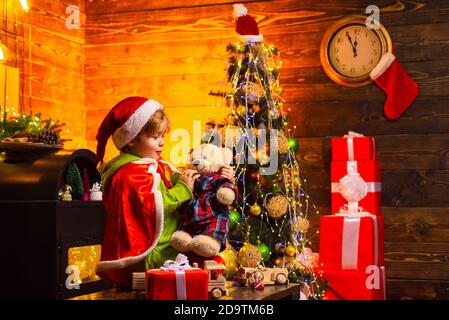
{"x":356,"y":184}
{"x":177,"y":285}
{"x":357,"y":285}
{"x":352,"y":241}
{"x":353,"y":147}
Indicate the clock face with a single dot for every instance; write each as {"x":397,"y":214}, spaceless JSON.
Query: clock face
{"x":354,"y":51}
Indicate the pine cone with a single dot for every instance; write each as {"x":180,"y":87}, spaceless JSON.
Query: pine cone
{"x":49,"y":137}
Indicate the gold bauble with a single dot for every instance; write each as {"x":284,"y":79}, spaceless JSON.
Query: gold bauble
{"x":249,"y":256}
{"x":301,"y":225}
{"x":279,"y":262}
{"x":241,"y":110}
{"x":253,"y":91}
{"x":255,"y":210}
{"x":282,"y":144}
{"x":229,"y":256}
{"x":290,"y":251}
{"x":277,"y":206}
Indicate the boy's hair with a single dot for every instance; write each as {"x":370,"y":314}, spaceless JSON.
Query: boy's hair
{"x":153,"y":125}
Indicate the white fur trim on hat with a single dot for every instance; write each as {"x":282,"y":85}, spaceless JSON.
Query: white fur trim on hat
{"x":239,"y":10}
{"x":253,"y":38}
{"x":384,"y":63}
{"x":131,"y":128}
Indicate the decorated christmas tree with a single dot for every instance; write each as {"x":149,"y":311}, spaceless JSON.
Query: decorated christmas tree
{"x":269,"y":219}
{"x":73,"y":179}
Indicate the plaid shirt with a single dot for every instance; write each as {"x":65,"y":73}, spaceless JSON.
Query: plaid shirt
{"x":204,"y":214}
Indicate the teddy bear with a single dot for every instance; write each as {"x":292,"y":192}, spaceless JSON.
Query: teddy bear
{"x":205,"y":219}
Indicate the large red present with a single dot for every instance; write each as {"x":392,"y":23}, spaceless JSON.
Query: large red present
{"x":356,"y":184}
{"x":351,"y":241}
{"x":177,"y":285}
{"x":353,"y":147}
{"x":357,"y":285}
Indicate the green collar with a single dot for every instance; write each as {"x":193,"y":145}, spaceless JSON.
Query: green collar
{"x":111,"y":167}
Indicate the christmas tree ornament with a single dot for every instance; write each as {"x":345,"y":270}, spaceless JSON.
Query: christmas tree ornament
{"x":264,"y":159}
{"x":73,"y":178}
{"x":300,"y":225}
{"x":86,"y":185}
{"x":293,"y":144}
{"x":290,"y":250}
{"x":274,"y":113}
{"x":297,"y":237}
{"x":255,"y":280}
{"x":246,"y":26}
{"x":401,"y":91}
{"x":241,"y":110}
{"x":279,"y":247}
{"x":96,"y":194}
{"x":255,"y":210}
{"x":234,"y":218}
{"x":252,"y":91}
{"x":65,"y":193}
{"x":229,"y":255}
{"x":308,"y":258}
{"x":279,"y":262}
{"x":277,"y":206}
{"x":265,"y":251}
{"x":282,"y":144}
{"x":249,"y":256}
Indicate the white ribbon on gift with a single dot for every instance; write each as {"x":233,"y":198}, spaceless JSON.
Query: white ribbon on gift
{"x":351,"y":236}
{"x":350,"y":141}
{"x":179,"y":265}
{"x":353,"y":187}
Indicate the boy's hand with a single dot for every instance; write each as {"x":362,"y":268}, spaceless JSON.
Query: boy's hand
{"x":227,"y":172}
{"x":188,"y":177}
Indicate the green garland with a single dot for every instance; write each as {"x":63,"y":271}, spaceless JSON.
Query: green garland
{"x":26,"y":124}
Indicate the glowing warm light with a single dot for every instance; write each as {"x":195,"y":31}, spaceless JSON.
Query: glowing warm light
{"x":3,"y":53}
{"x":24,"y":5}
{"x":86,"y":259}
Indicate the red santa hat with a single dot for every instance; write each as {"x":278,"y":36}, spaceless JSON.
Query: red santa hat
{"x":124,"y":122}
{"x":246,"y":26}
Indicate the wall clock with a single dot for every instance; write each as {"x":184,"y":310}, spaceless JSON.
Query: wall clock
{"x":349,"y":51}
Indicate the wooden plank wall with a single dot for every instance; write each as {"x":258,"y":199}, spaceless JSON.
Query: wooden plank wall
{"x":174,"y":51}
{"x":53,"y":63}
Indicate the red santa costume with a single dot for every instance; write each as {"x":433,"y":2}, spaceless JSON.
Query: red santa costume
{"x":141,"y":196}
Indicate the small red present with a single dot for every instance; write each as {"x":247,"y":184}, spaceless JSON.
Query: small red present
{"x":356,"y":184}
{"x":351,"y":241}
{"x":353,"y":147}
{"x":177,"y":285}
{"x":177,"y":280}
{"x":357,"y":285}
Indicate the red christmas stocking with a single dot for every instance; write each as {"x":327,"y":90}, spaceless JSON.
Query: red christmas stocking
{"x":401,"y":91}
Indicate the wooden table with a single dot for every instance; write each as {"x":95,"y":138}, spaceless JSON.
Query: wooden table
{"x":274,"y":292}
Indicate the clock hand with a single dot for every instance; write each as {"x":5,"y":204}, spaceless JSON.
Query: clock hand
{"x":352,"y":45}
{"x":355,"y":47}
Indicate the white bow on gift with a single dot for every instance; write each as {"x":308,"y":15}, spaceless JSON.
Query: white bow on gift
{"x":352,"y":187}
{"x":353,"y":134}
{"x":180,"y":263}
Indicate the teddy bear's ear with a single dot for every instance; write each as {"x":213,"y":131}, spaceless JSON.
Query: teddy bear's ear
{"x":227,"y":155}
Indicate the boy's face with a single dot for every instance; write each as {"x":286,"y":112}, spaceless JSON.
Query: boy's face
{"x":149,"y":145}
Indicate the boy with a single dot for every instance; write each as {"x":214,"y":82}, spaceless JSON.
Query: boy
{"x":142,"y":192}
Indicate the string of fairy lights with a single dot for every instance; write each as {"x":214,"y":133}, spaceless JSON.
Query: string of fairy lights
{"x":239,"y":95}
